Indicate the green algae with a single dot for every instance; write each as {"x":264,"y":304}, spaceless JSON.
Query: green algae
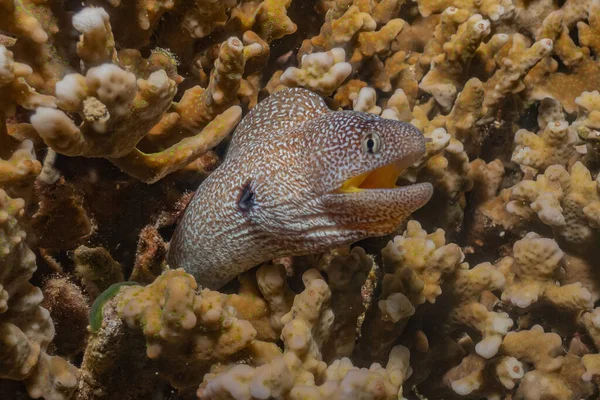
{"x":96,"y":315}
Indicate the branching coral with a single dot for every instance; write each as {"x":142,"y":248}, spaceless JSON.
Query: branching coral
{"x":118,"y":109}
{"x":321,"y":72}
{"x":532,"y":273}
{"x":508,"y":79}
{"x":295,"y":373}
{"x":26,"y":328}
{"x":416,"y":263}
{"x":554,"y":145}
{"x":442,"y":80}
{"x":566,"y":201}
{"x":158,"y":86}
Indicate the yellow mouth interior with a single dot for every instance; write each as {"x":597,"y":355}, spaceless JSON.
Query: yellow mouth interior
{"x":381,"y":178}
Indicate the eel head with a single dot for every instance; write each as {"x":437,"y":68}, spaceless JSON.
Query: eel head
{"x":355,"y":166}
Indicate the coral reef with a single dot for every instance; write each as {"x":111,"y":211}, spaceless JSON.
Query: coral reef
{"x":26,"y":328}
{"x":113,"y":112}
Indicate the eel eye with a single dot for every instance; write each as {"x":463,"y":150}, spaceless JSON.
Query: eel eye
{"x":246,"y":198}
{"x":371,"y":143}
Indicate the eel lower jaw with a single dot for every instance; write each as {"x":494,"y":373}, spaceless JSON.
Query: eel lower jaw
{"x":377,"y":190}
{"x":376,"y":211}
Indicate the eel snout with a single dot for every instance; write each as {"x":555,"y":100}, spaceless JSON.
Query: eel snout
{"x":370,"y":199}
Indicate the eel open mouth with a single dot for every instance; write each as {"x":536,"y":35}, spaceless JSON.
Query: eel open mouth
{"x":381,"y":178}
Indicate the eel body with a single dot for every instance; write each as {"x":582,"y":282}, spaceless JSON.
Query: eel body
{"x":297,"y":179}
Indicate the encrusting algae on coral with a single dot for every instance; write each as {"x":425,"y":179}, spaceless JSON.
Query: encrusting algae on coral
{"x":297,"y":271}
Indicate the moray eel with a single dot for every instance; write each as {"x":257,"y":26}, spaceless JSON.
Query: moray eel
{"x":297,"y":179}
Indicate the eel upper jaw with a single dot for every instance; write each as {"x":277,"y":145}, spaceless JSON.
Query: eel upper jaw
{"x":383,"y":177}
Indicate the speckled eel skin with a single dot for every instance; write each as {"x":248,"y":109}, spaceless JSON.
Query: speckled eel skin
{"x":298,"y":179}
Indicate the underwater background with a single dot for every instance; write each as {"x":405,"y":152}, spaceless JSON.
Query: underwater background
{"x":481,"y":286}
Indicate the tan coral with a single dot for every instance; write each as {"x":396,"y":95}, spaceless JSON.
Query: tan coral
{"x":13,"y":87}
{"x":201,"y":18}
{"x":509,"y":78}
{"x":467,"y":287}
{"x":26,"y":328}
{"x":17,"y":20}
{"x":566,"y":86}
{"x":476,"y":375}
{"x":567,"y":201}
{"x":110,"y":104}
{"x":451,"y":18}
{"x":543,"y":350}
{"x":443,"y":80}
{"x":427,"y":256}
{"x":378,"y":42}
{"x":165,"y":322}
{"x":591,"y":321}
{"x":565,"y":383}
{"x":347,"y":93}
{"x":366,"y":101}
{"x":531,"y":276}
{"x":591,"y":363}
{"x":285,"y":378}
{"x":294,"y":374}
{"x":272,"y":20}
{"x":339,"y":31}
{"x":398,"y":107}
{"x":279,"y":296}
{"x":347,"y":271}
{"x":589,"y":34}
{"x":492,"y":8}
{"x":554,"y":145}
{"x":117,"y":112}
{"x":96,"y":43}
{"x":416,"y":263}
{"x":554,"y":29}
{"x":588,"y":104}
{"x":320,"y":72}
{"x":20,"y":168}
